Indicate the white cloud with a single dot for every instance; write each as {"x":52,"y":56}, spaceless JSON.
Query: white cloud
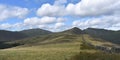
{"x":43,"y":20}
{"x":94,"y":7}
{"x":49,"y":23}
{"x":82,"y":9}
{"x":5,"y":26}
{"x":107,"y":22}
{"x":14,"y":27}
{"x":59,"y":25}
{"x":39,"y":21}
{"x":57,"y":9}
{"x":12,"y":11}
{"x":50,"y":10}
{"x":48,"y":20}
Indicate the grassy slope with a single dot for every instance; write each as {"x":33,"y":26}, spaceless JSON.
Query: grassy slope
{"x":94,"y":54}
{"x":107,"y":35}
{"x":42,"y":52}
{"x":98,"y":42}
{"x":53,"y":47}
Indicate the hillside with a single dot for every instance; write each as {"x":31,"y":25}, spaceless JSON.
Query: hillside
{"x":107,"y":35}
{"x":39,"y":36}
{"x":59,"y":46}
{"x":35,"y":32}
{"x":70,"y":35}
{"x":13,"y":35}
{"x":10,"y":36}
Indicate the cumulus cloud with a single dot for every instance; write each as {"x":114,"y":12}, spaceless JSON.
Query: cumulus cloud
{"x":107,"y":22}
{"x":39,"y":21}
{"x":82,"y":9}
{"x":51,"y":10}
{"x":5,"y":26}
{"x":59,"y":25}
{"x":12,"y":11}
{"x":43,"y":20}
{"x":14,"y":27}
{"x":49,"y":23}
{"x":94,"y":7}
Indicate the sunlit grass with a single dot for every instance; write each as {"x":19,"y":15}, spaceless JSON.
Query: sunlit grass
{"x":43,"y":52}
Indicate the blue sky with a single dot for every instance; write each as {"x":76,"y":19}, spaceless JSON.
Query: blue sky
{"x":58,"y":15}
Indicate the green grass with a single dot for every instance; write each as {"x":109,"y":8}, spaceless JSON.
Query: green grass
{"x":88,"y":52}
{"x":43,"y":52}
{"x":56,"y":47}
{"x":96,"y":56}
{"x":85,"y":46}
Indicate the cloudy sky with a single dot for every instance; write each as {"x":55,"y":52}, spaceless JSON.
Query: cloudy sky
{"x":58,"y":15}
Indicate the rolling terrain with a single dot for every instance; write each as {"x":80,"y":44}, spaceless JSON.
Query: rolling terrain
{"x":35,"y":32}
{"x":107,"y":35}
{"x":58,"y":46}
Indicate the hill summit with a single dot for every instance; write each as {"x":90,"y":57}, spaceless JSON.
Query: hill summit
{"x":35,"y":32}
{"x":74,"y":30}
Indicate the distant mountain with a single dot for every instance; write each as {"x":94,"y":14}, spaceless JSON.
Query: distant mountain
{"x":35,"y":32}
{"x":108,"y":35}
{"x":10,"y":36}
{"x":40,"y":37}
{"x":69,"y":35}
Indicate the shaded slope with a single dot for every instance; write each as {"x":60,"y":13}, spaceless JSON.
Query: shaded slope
{"x":70,"y":35}
{"x":108,"y":35}
{"x":49,"y":39}
{"x":35,"y":32}
{"x":10,"y":36}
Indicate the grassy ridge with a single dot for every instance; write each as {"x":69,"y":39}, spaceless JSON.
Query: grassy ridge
{"x":53,"y":49}
{"x":58,"y":46}
{"x":94,"y":55}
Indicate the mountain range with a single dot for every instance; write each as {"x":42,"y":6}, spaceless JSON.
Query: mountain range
{"x":39,"y":36}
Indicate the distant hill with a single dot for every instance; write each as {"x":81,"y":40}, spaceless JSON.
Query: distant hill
{"x":39,"y":36}
{"x":69,"y":35}
{"x":10,"y":36}
{"x":107,"y":35}
{"x":35,"y":32}
{"x":13,"y":35}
